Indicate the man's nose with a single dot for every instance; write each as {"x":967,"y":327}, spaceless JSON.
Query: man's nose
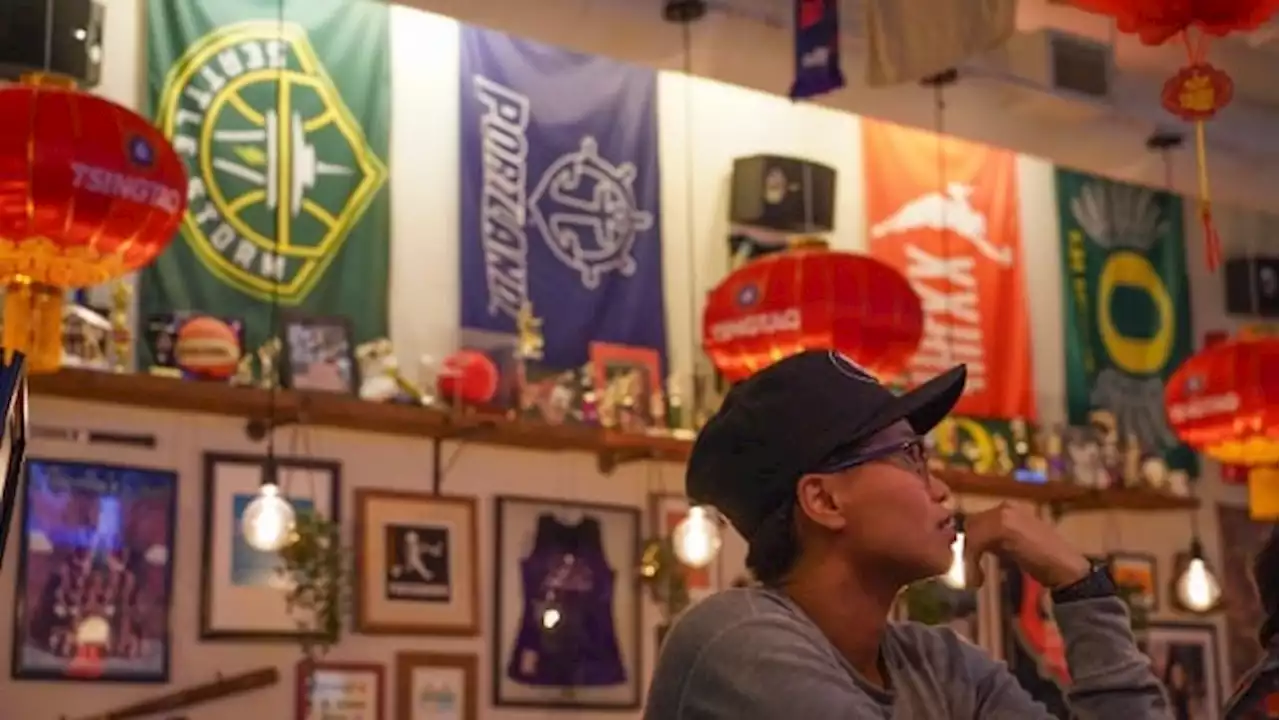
{"x":939,"y":491}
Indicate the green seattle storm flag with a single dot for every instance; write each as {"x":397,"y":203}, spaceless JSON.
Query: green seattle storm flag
{"x":1127,"y":311}
{"x":284,"y":125}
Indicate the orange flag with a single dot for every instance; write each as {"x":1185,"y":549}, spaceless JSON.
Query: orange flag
{"x":949,"y":224}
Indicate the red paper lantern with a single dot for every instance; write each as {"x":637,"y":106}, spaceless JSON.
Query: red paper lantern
{"x":1199,"y":90}
{"x":89,"y":191}
{"x":804,"y":299}
{"x":1222,"y":401}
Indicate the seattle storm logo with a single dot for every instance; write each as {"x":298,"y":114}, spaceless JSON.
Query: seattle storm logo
{"x":280,"y":171}
{"x":585,"y":208}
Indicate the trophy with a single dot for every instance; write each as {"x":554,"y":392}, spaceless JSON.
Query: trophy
{"x":121,"y":335}
{"x":1004,"y":458}
{"x":268,"y":357}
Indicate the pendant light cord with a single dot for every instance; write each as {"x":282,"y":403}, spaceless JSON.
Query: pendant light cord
{"x":696,"y":389}
{"x":273,"y":390}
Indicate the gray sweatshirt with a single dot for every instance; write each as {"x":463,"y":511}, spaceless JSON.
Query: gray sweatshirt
{"x":752,"y":654}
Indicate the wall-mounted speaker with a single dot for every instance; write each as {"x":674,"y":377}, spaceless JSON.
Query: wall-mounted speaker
{"x":61,"y":36}
{"x":783,"y":194}
{"x":1251,"y":285}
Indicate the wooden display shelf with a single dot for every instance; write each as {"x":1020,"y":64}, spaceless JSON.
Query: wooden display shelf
{"x":611,"y":448}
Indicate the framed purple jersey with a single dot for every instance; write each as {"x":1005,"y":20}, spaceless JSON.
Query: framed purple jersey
{"x":567,"y":605}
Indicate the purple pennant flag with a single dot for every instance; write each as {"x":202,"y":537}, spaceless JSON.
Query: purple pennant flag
{"x":817,"y":28}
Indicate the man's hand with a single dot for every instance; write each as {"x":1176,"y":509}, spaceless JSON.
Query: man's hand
{"x":1016,"y":533}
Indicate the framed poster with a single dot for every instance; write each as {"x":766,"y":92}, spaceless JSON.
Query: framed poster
{"x":319,"y":354}
{"x":1184,"y":656}
{"x":628,"y":383}
{"x":340,"y":691}
{"x":95,"y":573}
{"x":1136,"y":571}
{"x":566,"y":631}
{"x":1241,"y":538}
{"x":242,"y":589}
{"x":417,"y":570}
{"x":436,"y":686}
{"x":1033,"y":646}
{"x":665,"y":512}
{"x":13,"y":442}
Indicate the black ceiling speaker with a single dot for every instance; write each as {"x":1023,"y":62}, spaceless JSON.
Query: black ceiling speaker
{"x":683,"y":11}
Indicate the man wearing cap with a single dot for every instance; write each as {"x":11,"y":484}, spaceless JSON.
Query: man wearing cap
{"x":823,"y":471}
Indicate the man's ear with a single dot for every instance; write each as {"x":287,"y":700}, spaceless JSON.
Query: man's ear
{"x":815,"y":499}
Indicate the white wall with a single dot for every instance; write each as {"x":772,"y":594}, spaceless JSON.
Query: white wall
{"x":724,"y":121}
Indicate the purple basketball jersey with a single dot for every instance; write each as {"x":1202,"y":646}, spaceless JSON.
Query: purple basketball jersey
{"x":566,"y":637}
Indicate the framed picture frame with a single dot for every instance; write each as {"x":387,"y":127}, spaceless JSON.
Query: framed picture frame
{"x":665,"y":512}
{"x":13,"y":442}
{"x":95,"y":573}
{"x":633,"y":374}
{"x":318,"y":354}
{"x":242,"y":594}
{"x":417,"y":564}
{"x":1240,"y":539}
{"x":1138,"y":571}
{"x":437,"y":686}
{"x":1184,"y":656}
{"x":351,"y":689}
{"x":570,"y":565}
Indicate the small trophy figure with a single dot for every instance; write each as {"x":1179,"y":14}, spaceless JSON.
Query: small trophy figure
{"x":1004,"y":458}
{"x":243,"y":376}
{"x":121,"y":336}
{"x":268,"y":356}
{"x":677,"y":417}
{"x":1132,"y":461}
{"x":529,"y":340}
{"x":1055,"y":454}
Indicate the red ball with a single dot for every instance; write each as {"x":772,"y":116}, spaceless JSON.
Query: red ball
{"x":468,"y":376}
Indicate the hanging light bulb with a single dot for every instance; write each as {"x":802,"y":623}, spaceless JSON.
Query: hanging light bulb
{"x":268,"y":521}
{"x":1197,"y":589}
{"x":955,"y":575}
{"x":696,"y":539}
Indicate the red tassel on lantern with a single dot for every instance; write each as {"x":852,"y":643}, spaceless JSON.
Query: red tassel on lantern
{"x":1199,"y":90}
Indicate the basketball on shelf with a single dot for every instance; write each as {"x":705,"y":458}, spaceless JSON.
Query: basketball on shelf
{"x":208,"y":348}
{"x":468,"y":377}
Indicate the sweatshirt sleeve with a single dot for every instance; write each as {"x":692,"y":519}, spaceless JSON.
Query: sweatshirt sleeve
{"x":1111,"y":678}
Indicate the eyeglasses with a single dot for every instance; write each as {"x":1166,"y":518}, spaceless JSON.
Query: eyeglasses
{"x":910,"y":455}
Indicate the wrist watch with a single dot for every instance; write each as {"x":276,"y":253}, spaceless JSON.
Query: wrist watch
{"x":1097,"y":584}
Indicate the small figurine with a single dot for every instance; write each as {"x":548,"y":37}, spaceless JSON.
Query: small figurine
{"x":121,"y":335}
{"x":381,"y":379}
{"x":1054,"y":454}
{"x":268,"y":355}
{"x":1178,"y":482}
{"x":1155,"y":473}
{"x":588,"y":409}
{"x":677,"y":415}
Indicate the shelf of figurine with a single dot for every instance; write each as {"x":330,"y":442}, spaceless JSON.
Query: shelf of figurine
{"x":1096,"y":456}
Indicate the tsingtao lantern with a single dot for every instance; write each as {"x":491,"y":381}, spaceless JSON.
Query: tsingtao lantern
{"x":1222,"y":401}
{"x":810,"y":298}
{"x":1198,"y":91}
{"x":89,"y":191}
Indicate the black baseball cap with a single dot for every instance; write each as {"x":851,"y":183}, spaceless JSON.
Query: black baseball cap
{"x":791,"y":417}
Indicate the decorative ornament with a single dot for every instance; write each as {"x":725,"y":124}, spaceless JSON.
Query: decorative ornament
{"x":812,"y":298}
{"x":89,"y":191}
{"x":467,"y":377}
{"x":1198,"y":91}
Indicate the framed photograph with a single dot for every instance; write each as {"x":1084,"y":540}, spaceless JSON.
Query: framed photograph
{"x":95,"y":573}
{"x":566,"y":630}
{"x":340,"y":691}
{"x":665,"y":512}
{"x":1138,"y":571}
{"x":13,"y":443}
{"x":318,"y":354}
{"x":628,"y":384}
{"x":1241,"y":539}
{"x":1184,"y":656}
{"x":242,"y":588}
{"x":436,"y":686}
{"x":1032,"y":645}
{"x":417,"y":564}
